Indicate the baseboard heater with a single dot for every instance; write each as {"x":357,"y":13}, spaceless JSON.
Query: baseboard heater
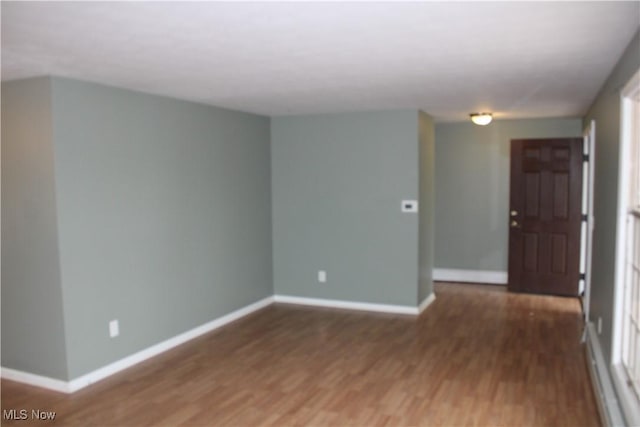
{"x":606,"y":398}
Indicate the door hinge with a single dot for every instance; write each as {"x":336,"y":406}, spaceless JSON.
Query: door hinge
{"x":585,"y":157}
{"x":584,"y":217}
{"x":583,"y":276}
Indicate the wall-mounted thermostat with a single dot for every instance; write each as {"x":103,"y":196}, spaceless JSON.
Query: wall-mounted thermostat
{"x":409,"y":206}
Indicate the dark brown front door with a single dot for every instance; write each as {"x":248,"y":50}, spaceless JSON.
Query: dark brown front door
{"x":544,"y":217}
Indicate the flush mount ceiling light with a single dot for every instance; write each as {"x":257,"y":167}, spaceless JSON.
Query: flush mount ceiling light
{"x":481,"y":119}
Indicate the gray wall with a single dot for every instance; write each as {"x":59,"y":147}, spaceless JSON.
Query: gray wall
{"x":120,"y":205}
{"x":164,"y":211}
{"x":426,"y":187}
{"x":337,"y":182}
{"x":606,"y":112}
{"x":472,"y":188}
{"x":33,"y":337}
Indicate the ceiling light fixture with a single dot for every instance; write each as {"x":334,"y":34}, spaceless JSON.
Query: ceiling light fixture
{"x":481,"y":119}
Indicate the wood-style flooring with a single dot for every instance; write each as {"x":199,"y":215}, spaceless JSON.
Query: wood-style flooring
{"x":478,"y":356}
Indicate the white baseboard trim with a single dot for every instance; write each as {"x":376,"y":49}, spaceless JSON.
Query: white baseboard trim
{"x":108,"y":370}
{"x":349,"y":305}
{"x":426,"y":302}
{"x":606,"y":398}
{"x":34,"y":380}
{"x":470,"y":276}
{"x":129,"y":361}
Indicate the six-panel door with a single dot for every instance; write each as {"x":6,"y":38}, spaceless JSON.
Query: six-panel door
{"x":545,"y":215}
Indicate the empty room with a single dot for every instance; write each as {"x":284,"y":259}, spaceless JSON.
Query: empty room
{"x":320,"y":214}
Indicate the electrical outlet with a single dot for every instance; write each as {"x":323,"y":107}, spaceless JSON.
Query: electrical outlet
{"x":599,"y":326}
{"x":322,"y":276}
{"x":114,"y":328}
{"x":409,"y":206}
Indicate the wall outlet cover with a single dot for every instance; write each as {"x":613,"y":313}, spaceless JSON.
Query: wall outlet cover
{"x":322,"y":276}
{"x":409,"y":206}
{"x":114,"y":329}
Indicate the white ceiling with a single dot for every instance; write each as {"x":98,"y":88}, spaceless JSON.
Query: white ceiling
{"x":544,"y":59}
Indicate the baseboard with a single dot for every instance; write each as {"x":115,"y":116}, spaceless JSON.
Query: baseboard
{"x":108,"y":370}
{"x":35,"y":380}
{"x":129,"y":361}
{"x":349,"y":305}
{"x":470,"y":276}
{"x":608,"y":407}
{"x":426,"y":302}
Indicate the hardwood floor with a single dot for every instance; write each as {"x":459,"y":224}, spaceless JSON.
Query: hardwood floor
{"x":478,"y":356}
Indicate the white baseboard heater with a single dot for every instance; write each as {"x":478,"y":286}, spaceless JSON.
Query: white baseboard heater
{"x":605,"y":395}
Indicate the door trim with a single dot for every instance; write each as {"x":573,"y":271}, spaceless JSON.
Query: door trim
{"x":589,"y":148}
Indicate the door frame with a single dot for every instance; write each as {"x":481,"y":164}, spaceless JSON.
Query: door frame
{"x":586,"y":238}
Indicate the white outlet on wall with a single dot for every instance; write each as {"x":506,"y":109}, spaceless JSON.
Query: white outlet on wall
{"x":322,"y":276}
{"x":599,"y":326}
{"x":409,"y":206}
{"x":114,"y":328}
